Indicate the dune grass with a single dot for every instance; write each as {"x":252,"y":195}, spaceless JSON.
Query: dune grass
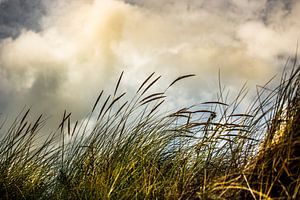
{"x":129,"y":149}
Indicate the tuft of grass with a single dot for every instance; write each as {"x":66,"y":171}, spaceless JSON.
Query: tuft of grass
{"x":127,"y":148}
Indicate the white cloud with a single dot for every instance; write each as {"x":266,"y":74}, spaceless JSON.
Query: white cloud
{"x":84,"y":45}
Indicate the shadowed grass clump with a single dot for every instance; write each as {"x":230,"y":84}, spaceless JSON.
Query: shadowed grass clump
{"x":127,"y":148}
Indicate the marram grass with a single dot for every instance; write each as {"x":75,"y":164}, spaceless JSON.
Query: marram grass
{"x":128,"y":149}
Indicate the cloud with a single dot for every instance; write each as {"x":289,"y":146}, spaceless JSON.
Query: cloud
{"x":80,"y":47}
{"x":16,"y":15}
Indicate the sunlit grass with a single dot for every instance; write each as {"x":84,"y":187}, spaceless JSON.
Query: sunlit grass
{"x":129,"y":149}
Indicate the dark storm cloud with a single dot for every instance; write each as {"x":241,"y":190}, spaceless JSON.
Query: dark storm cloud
{"x":16,"y":15}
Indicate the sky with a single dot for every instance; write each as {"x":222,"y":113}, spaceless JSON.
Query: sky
{"x":57,"y":55}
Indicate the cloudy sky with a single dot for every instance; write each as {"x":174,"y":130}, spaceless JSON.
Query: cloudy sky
{"x":60,"y":54}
